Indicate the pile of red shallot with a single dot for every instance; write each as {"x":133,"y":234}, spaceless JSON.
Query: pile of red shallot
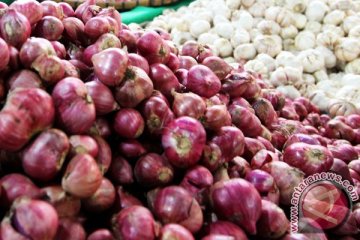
{"x":108,"y":133}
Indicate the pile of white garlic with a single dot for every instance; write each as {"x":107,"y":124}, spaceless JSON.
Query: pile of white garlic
{"x":302,"y":47}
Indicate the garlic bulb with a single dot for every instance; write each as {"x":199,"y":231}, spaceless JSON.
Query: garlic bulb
{"x":312,"y":60}
{"x":207,"y":38}
{"x":268,"y":27}
{"x":248,"y":3}
{"x":334,"y":17}
{"x":313,"y":26}
{"x":158,"y":23}
{"x":179,"y":38}
{"x":241,"y":36}
{"x":269,"y":44}
{"x":321,"y":75}
{"x":289,"y":45}
{"x":328,"y":39}
{"x":233,"y":4}
{"x":224,"y":29}
{"x":335,"y":29}
{"x":316,"y":11}
{"x":298,"y":6}
{"x":219,"y":19}
{"x":300,"y":20}
{"x":348,"y":49}
{"x":352,"y":80}
{"x":179,"y":24}
{"x":257,"y":66}
{"x":329,"y":56}
{"x":306,"y":90}
{"x":353,"y":67}
{"x":305,"y":40}
{"x":245,"y":51}
{"x":257,"y":9}
{"x":289,"y":32}
{"x":348,"y":93}
{"x":269,"y":62}
{"x":354,"y":32}
{"x":254,"y":33}
{"x":280,"y":15}
{"x":341,"y":108}
{"x":242,"y":19}
{"x":205,"y":15}
{"x":286,"y":58}
{"x":286,"y":76}
{"x":321,"y":100}
{"x":224,"y":47}
{"x":229,"y":60}
{"x":343,"y":5}
{"x":199,"y":27}
{"x":328,"y":86}
{"x":350,"y":22}
{"x":289,"y":91}
{"x":308,"y":79}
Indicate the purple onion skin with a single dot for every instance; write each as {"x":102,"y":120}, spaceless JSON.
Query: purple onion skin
{"x":101,"y":127}
{"x":197,"y":181}
{"x":174,"y":204}
{"x":295,"y":236}
{"x":129,"y":123}
{"x":124,"y":199}
{"x":50,"y":28}
{"x":82,"y":176}
{"x":132,"y":148}
{"x":102,"y":97}
{"x":101,"y":234}
{"x":226,"y":228}
{"x":70,"y":97}
{"x":25,"y":79}
{"x":120,"y":171}
{"x":175,"y":231}
{"x":66,"y":205}
{"x":249,"y":207}
{"x":70,"y":229}
{"x":273,"y":222}
{"x":104,"y":157}
{"x":7,"y":231}
{"x":153,"y":170}
{"x":15,"y":185}
{"x":102,"y":199}
{"x":14,"y":28}
{"x":183,"y":141}
{"x":4,"y":54}
{"x":202,"y":81}
{"x":83,"y":144}
{"x":217,"y":237}
{"x":26,"y":212}
{"x":46,"y":155}
{"x":134,"y":223}
{"x":30,"y":8}
{"x":135,"y":87}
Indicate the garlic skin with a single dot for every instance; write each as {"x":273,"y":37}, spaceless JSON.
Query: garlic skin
{"x":242,"y":19}
{"x":334,"y":17}
{"x":350,"y":22}
{"x":224,"y":47}
{"x":245,"y":51}
{"x":338,"y":107}
{"x":328,"y":39}
{"x":257,"y":10}
{"x":297,"y":6}
{"x":305,"y":40}
{"x":336,"y":29}
{"x":316,"y":11}
{"x":289,"y":45}
{"x":199,"y":27}
{"x":289,"y":32}
{"x":240,"y":36}
{"x":353,"y":67}
{"x":280,"y":15}
{"x":321,"y":100}
{"x":328,"y":86}
{"x":179,"y":38}
{"x":289,"y":91}
{"x":247,"y":3}
{"x":300,"y":21}
{"x":224,"y":29}
{"x":286,"y":76}
{"x":312,"y":60}
{"x":286,"y":58}
{"x":219,"y":19}
{"x":269,"y":62}
{"x":268,"y":27}
{"x":233,"y":4}
{"x":321,"y":75}
{"x":354,"y":32}
{"x":308,"y":79}
{"x":348,"y":49}
{"x":207,"y":38}
{"x":257,"y":66}
{"x":313,"y":26}
{"x":351,"y":80}
{"x":269,"y":44}
{"x":343,"y":5}
{"x":329,"y":56}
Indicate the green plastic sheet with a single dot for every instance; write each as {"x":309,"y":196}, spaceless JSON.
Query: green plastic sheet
{"x":142,"y":14}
